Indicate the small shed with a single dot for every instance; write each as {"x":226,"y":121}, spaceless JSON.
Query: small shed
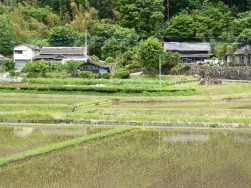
{"x":96,"y":67}
{"x":242,"y":56}
{"x":24,"y":53}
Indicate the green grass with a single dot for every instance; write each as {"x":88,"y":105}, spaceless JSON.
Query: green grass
{"x":227,"y":103}
{"x":61,"y":145}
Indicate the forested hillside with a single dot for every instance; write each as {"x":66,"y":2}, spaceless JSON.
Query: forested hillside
{"x":115,"y":26}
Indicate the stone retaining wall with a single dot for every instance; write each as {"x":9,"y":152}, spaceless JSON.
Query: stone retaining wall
{"x":132,"y":123}
{"x":233,"y":73}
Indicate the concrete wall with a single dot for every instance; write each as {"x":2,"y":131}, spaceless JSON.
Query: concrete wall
{"x":27,"y":53}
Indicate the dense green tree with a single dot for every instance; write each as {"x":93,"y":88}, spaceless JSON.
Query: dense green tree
{"x":106,"y":8}
{"x":146,"y":16}
{"x":245,"y":36}
{"x":106,"y":39}
{"x":72,"y":67}
{"x":122,"y":40}
{"x":212,"y":21}
{"x":61,"y":36}
{"x":38,"y":67}
{"x":37,"y":13}
{"x":7,"y":36}
{"x":8,"y":64}
{"x":148,"y":53}
{"x":181,"y":27}
{"x":242,"y":22}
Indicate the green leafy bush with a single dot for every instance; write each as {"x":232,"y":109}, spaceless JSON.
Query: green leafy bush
{"x":110,"y":60}
{"x":85,"y":74}
{"x":122,"y":73}
{"x":72,"y":67}
{"x":94,"y":58}
{"x":8,"y":65}
{"x":105,"y":75}
{"x":38,"y":67}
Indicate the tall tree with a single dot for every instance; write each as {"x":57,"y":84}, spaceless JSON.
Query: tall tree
{"x":148,"y":53}
{"x":7,"y":36}
{"x":146,"y":16}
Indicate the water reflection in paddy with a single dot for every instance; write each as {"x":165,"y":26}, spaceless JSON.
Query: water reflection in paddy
{"x":21,"y":138}
{"x":143,"y":158}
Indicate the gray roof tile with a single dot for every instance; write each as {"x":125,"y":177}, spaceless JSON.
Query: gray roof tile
{"x":62,"y":50}
{"x":185,"y":46}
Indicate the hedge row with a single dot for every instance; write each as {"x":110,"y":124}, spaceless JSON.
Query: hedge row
{"x":84,"y":89}
{"x":81,"y":81}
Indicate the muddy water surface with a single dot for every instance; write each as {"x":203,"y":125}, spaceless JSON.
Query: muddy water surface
{"x":143,"y":158}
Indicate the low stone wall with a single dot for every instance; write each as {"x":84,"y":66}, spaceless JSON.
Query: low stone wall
{"x":233,"y":73}
{"x":132,"y":123}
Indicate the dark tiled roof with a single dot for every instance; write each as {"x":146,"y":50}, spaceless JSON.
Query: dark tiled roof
{"x":244,"y":50}
{"x":195,"y":56}
{"x":62,"y":50}
{"x":185,"y":46}
{"x":100,"y":64}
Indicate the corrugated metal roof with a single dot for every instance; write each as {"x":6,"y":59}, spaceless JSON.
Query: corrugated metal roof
{"x":186,"y":46}
{"x":62,"y":50}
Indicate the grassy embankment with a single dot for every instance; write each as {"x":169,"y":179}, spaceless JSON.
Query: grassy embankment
{"x":61,"y":145}
{"x":140,"y":86}
{"x":227,"y":103}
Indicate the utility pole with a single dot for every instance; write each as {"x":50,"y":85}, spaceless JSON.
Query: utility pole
{"x":86,"y":45}
{"x":160,"y":81}
{"x":168,"y":9}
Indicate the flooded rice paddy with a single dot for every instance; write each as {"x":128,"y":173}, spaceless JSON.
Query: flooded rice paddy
{"x":18,"y":139}
{"x":143,"y":158}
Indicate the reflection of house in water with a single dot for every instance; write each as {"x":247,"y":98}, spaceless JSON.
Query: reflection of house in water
{"x":187,"y":138}
{"x":65,"y":132}
{"x":27,"y":131}
{"x":23,"y":131}
{"x":241,"y":139}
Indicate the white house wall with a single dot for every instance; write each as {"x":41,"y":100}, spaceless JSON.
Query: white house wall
{"x":27,"y":53}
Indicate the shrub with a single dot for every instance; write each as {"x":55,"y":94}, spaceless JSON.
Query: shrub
{"x":72,"y":66}
{"x":86,"y":74}
{"x":123,"y":73}
{"x":105,"y":76}
{"x":12,"y":73}
{"x":110,"y":60}
{"x":180,"y":69}
{"x":39,"y":67}
{"x":31,"y":75}
{"x":8,"y":64}
{"x":209,"y":81}
{"x":132,"y":66}
{"x":94,"y":58}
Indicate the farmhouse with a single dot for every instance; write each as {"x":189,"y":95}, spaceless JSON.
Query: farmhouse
{"x":95,"y":67}
{"x":61,"y":54}
{"x":24,"y":53}
{"x":190,"y":52}
{"x":241,"y":56}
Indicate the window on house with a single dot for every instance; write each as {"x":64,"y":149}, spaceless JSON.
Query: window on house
{"x":249,"y":60}
{"x":18,"y":52}
{"x":242,"y":60}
